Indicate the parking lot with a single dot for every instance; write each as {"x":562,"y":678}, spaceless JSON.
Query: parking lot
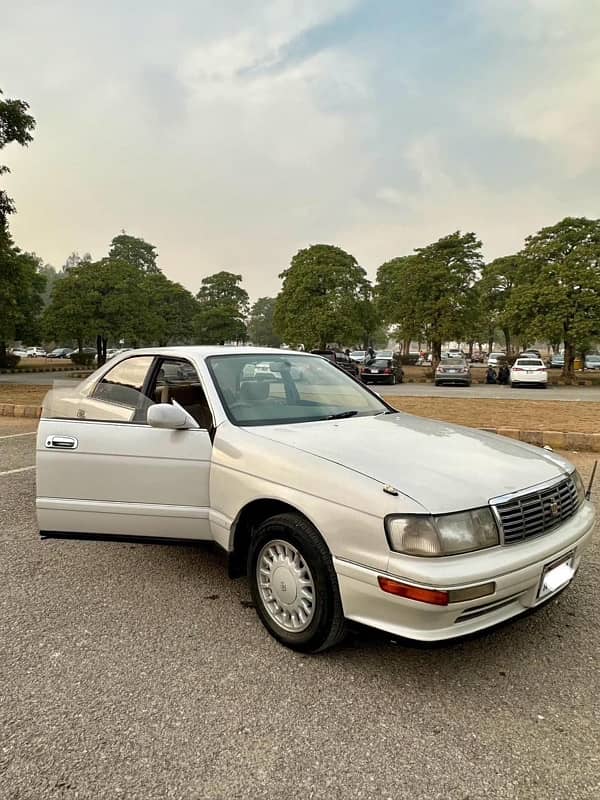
{"x":141,"y":671}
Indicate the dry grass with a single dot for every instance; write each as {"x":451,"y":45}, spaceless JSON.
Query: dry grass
{"x":553,"y":415}
{"x":23,"y":394}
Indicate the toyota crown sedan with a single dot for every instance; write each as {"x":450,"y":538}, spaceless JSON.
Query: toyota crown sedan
{"x":337,"y":507}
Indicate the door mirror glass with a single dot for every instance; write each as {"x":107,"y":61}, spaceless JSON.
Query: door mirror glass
{"x":165,"y":415}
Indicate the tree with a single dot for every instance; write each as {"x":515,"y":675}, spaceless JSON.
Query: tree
{"x":134,"y":251}
{"x":74,"y":259}
{"x":260,"y":323}
{"x":16,"y":125}
{"x":223,"y":306}
{"x":69,"y":314}
{"x":321,"y":299}
{"x":396,"y":294}
{"x":172,"y":310}
{"x":21,"y":288}
{"x":100,"y":300}
{"x":444,"y":275}
{"x":498,"y":280}
{"x":558,"y":297}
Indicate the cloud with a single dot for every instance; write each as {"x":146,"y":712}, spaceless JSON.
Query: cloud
{"x":232,"y":134}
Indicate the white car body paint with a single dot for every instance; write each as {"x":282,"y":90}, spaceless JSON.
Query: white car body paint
{"x":128,"y":479}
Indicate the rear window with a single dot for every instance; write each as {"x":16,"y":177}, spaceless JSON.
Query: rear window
{"x":380,"y":362}
{"x":529,"y":362}
{"x":459,"y":361}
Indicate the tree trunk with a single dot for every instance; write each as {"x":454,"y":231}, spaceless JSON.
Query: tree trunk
{"x":2,"y":353}
{"x":506,"y":332}
{"x":100,"y":356}
{"x":569,"y":366}
{"x":491,"y":345}
{"x":406,"y":347}
{"x":436,"y":354}
{"x":471,"y":350}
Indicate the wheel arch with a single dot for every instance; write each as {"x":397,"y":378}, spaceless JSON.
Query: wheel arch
{"x":251,"y":515}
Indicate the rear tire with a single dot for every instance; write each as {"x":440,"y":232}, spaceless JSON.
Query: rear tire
{"x":293,"y":584}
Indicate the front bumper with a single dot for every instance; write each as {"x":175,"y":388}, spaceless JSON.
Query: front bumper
{"x":516,"y":570}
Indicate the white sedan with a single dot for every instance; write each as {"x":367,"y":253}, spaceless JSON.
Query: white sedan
{"x":337,"y":507}
{"x":529,"y":370}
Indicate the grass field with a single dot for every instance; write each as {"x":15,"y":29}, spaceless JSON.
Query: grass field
{"x":534,"y":415}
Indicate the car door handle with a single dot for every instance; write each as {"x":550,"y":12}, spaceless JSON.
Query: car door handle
{"x":62,"y":442}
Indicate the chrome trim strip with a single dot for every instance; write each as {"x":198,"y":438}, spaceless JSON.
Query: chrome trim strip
{"x":537,"y":487}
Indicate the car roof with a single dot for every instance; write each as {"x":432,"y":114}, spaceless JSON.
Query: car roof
{"x":204,"y":351}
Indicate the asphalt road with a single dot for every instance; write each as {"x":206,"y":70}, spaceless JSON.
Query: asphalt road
{"x":37,"y":377}
{"x":141,"y":671}
{"x":494,"y":391}
{"x":588,"y":393}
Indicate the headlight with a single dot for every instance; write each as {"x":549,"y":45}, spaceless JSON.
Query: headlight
{"x":423,"y":535}
{"x":579,"y":486}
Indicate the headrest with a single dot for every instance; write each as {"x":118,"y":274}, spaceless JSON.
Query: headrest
{"x":254,"y":391}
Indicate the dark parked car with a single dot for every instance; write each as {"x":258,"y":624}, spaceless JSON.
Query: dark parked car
{"x":557,"y":361}
{"x":453,"y":370}
{"x":60,"y":352}
{"x":382,"y":370}
{"x":340,"y":359}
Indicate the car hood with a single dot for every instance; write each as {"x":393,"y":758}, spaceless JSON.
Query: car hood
{"x":443,"y":467}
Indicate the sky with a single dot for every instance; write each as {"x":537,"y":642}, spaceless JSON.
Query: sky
{"x":231,"y":134}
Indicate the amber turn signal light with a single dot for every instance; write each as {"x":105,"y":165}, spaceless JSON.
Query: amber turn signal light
{"x":432,"y":596}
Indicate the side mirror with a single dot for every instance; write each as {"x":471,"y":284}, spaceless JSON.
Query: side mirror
{"x":164,"y":415}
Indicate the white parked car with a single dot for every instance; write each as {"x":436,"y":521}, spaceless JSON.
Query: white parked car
{"x":36,"y":352}
{"x":529,"y":371}
{"x":496,"y":359}
{"x":335,"y":505}
{"x":359,"y":356}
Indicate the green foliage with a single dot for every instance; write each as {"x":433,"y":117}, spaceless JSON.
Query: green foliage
{"x":134,"y":251}
{"x":21,"y":288}
{"x":223,"y":306}
{"x":171,"y":310}
{"x":322,"y":298}
{"x":396,"y":293}
{"x":260,"y":323}
{"x":558,"y":296}
{"x":16,"y":125}
{"x":498,"y":280}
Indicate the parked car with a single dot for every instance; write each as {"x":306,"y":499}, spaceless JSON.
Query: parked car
{"x":89,"y":350}
{"x":340,"y":359}
{"x":335,"y":505}
{"x":36,"y":352}
{"x":381,"y":370}
{"x":529,"y":371}
{"x":59,"y":352}
{"x":358,"y":356}
{"x":529,"y":353}
{"x":20,"y":352}
{"x":592,"y":361}
{"x":453,"y":370}
{"x":496,"y":359}
{"x":557,"y":361}
{"x":384,"y":354}
{"x":454,"y":354}
{"x":477,"y":357}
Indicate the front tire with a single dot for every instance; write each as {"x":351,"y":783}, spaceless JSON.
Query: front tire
{"x":293,"y":584}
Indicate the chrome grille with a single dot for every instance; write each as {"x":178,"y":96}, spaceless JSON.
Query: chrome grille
{"x":536,"y":513}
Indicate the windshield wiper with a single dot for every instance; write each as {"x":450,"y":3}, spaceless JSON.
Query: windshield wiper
{"x":342,"y":415}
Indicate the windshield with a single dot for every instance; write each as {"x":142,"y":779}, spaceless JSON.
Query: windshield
{"x":270,"y":390}
{"x":593,"y":358}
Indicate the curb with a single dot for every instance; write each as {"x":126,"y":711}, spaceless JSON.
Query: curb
{"x":557,"y":440}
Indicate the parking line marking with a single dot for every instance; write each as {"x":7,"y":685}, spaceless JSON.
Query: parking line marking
{"x":14,"y":471}
{"x":14,"y":435}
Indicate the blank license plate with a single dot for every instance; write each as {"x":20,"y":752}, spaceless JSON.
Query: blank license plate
{"x":556,"y":575}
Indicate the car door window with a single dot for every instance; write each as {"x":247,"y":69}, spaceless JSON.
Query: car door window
{"x":119,"y":394}
{"x":176,"y":380}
